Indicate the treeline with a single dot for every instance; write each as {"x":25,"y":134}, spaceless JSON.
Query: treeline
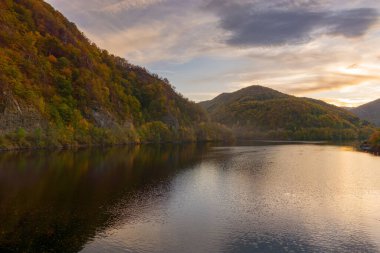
{"x":151,"y":132}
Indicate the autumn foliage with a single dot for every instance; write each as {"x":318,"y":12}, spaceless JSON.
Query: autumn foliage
{"x":77,"y":94}
{"x":375,"y":140}
{"x":258,"y":112}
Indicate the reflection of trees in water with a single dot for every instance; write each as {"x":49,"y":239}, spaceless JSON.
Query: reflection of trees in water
{"x":57,"y":201}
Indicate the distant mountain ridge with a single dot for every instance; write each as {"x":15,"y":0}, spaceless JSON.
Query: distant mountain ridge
{"x":369,"y":112}
{"x":260,"y":112}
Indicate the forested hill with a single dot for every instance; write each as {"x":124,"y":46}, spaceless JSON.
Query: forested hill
{"x":260,"y":112}
{"x":59,"y":89}
{"x":369,"y":111}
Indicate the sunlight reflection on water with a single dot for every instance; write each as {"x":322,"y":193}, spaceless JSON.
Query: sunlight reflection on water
{"x":268,"y":198}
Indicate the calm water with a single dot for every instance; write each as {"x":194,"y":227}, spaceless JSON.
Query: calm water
{"x":269,"y":198}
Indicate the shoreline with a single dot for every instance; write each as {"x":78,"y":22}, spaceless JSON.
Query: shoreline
{"x":231,"y":142}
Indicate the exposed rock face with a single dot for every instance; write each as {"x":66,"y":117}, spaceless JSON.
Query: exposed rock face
{"x":171,"y":121}
{"x":104,"y":119}
{"x":15,"y":114}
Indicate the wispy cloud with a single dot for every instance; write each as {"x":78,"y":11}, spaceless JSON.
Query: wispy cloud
{"x":123,"y":5}
{"x":330,"y":81}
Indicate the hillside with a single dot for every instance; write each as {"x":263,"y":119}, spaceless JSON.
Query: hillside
{"x":259,"y":112}
{"x":59,"y":89}
{"x":369,"y":112}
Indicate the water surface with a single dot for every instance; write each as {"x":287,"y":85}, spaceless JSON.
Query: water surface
{"x":192,"y":198}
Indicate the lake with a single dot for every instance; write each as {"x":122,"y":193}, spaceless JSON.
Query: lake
{"x":191,"y":198}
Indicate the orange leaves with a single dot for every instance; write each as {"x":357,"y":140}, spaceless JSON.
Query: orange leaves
{"x":375,"y":138}
{"x":52,"y":59}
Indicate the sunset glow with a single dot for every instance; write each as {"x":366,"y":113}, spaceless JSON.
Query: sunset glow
{"x":332,"y":54}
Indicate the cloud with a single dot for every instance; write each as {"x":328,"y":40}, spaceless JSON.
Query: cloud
{"x":207,"y":47}
{"x":123,"y":5}
{"x":351,"y":23}
{"x":147,"y":31}
{"x":287,"y":22}
{"x":331,"y":81}
{"x":352,"y":95}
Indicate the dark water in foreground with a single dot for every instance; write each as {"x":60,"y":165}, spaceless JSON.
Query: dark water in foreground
{"x":274,"y":198}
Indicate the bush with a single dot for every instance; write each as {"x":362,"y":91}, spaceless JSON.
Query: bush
{"x":155,"y":131}
{"x":38,"y":137}
{"x":65,"y":112}
{"x":18,"y":137}
{"x":4,"y":143}
{"x":20,"y":133}
{"x":375,"y":139}
{"x":213,"y":132}
{"x":65,"y":87}
{"x":186,"y":134}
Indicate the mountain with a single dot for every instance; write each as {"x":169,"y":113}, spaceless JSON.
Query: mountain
{"x":260,"y":112}
{"x":369,"y":112}
{"x":59,"y":89}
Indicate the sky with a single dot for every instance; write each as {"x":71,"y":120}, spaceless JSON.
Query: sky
{"x":324,"y":49}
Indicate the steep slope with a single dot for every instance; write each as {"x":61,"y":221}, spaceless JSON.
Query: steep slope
{"x":59,"y":89}
{"x":369,"y":112}
{"x":259,"y":112}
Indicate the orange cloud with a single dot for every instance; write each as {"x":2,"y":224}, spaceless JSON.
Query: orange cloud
{"x":331,"y":81}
